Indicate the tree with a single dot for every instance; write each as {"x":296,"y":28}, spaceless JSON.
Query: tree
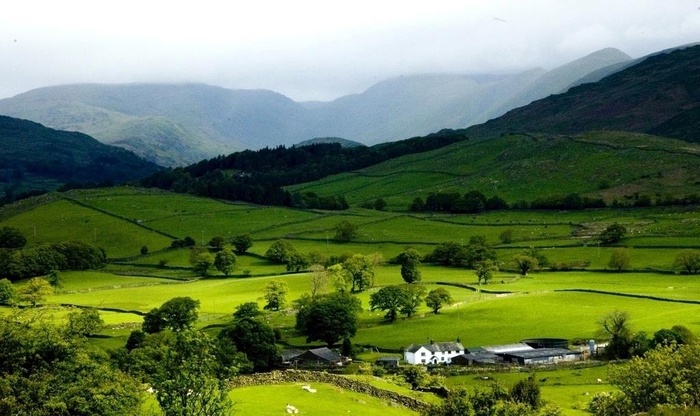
{"x":319,"y":279}
{"x":615,"y":325}
{"x":178,"y":314}
{"x":413,"y":298}
{"x":297,"y":262}
{"x":338,"y":277}
{"x":248,"y":310}
{"x":414,"y":375}
{"x":187,"y":383}
{"x":144,"y":250}
{"x":667,"y":376}
{"x":612,"y":234}
{"x":242,"y":242}
{"x":409,"y":260}
{"x":225,"y":261}
{"x":280,"y":251}
{"x":525,"y":263}
{"x":256,"y":340}
{"x":389,"y":299}
{"x":478,"y":250}
{"x":153,"y":322}
{"x":84,"y":322}
{"x":217,"y":242}
{"x":329,"y":318}
{"x":506,"y":236}
{"x":54,"y":279}
{"x":527,"y":392}
{"x":361,"y":271}
{"x":135,"y":340}
{"x":437,"y":298}
{"x":202,"y":263}
{"x":688,"y":261}
{"x":619,"y":259}
{"x":8,"y":293}
{"x":12,"y":238}
{"x":345,"y":231}
{"x":380,"y":204}
{"x":45,"y":371}
{"x":35,"y":291}
{"x":275,"y":295}
{"x":484,"y":271}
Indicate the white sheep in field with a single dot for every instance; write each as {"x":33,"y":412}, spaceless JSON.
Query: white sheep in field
{"x":599,"y":381}
{"x":291,"y":409}
{"x":308,"y":388}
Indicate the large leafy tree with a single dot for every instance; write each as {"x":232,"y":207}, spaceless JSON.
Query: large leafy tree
{"x":413,"y":298}
{"x":688,"y":261}
{"x":275,"y":295}
{"x":177,"y":314}
{"x":619,"y":259}
{"x":616,"y":326}
{"x":256,"y":340}
{"x":84,"y":322}
{"x":437,"y":298}
{"x":389,"y":299}
{"x":8,"y":293}
{"x":360,"y":270}
{"x":11,"y":237}
{"x":409,"y":260}
{"x":329,"y":318}
{"x":613,"y":233}
{"x":280,"y":250}
{"x":484,"y":271}
{"x":242,"y":242}
{"x":35,"y":291}
{"x":525,"y":263}
{"x":225,"y":261}
{"x":345,"y":231}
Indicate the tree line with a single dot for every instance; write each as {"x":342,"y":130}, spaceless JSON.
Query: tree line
{"x":258,"y":176}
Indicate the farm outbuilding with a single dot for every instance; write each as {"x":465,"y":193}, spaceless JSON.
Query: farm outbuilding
{"x":388,"y":362}
{"x":541,"y":356}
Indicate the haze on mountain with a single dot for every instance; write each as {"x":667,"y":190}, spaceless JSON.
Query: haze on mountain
{"x":178,"y":124}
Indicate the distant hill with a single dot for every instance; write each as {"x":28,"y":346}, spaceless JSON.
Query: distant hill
{"x":176,"y":125}
{"x":34,"y":157}
{"x":342,"y":142}
{"x":607,"y":165}
{"x":659,"y":95}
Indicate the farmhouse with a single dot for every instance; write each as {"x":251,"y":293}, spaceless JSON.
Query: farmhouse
{"x":432,"y":353}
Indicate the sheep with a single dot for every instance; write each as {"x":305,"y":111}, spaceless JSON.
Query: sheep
{"x":291,"y":409}
{"x":599,"y":381}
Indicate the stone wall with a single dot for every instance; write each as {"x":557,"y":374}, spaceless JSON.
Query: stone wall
{"x":301,"y":376}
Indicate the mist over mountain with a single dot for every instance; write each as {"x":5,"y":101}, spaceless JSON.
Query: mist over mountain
{"x":179,"y":124}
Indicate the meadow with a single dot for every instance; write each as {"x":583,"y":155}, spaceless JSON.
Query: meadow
{"x":541,"y":304}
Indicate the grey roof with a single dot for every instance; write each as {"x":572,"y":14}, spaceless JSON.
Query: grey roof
{"x":388,"y":359}
{"x":507,"y":348}
{"x":542,"y":353}
{"x":481,"y":357}
{"x":320,"y":354}
{"x":289,"y":354}
{"x":437,"y":347}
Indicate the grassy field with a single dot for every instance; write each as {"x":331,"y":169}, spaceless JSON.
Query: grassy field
{"x":123,"y":219}
{"x":524,"y":167}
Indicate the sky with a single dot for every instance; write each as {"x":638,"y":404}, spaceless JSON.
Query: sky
{"x":318,"y":50}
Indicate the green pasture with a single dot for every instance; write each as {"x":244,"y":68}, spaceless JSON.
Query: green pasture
{"x":328,"y":400}
{"x":62,"y":221}
{"x":519,"y":167}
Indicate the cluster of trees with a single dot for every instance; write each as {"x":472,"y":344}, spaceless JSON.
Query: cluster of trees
{"x":261,"y":174}
{"x":311,"y":200}
{"x":453,"y":254}
{"x":20,"y":262}
{"x":328,"y":317}
{"x":664,"y":378}
{"x":48,"y":369}
{"x":471,"y":202}
{"x":406,"y":299}
{"x":523,"y":398}
{"x":625,"y":343}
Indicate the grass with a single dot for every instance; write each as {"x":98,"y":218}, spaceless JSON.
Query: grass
{"x":329,"y":400}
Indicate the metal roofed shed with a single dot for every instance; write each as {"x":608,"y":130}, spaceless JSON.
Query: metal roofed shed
{"x":542,"y":356}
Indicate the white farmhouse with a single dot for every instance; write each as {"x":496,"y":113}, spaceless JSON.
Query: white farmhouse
{"x":433,"y":353}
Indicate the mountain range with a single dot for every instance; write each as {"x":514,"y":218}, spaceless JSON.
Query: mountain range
{"x":174,"y":125}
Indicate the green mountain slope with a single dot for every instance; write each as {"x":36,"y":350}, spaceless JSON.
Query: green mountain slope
{"x":34,"y":157}
{"x":611,"y":165}
{"x":659,"y":95}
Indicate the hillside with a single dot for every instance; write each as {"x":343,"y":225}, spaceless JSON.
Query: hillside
{"x":33,"y":157}
{"x":659,"y":95}
{"x":608,"y":165}
{"x":176,"y":125}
